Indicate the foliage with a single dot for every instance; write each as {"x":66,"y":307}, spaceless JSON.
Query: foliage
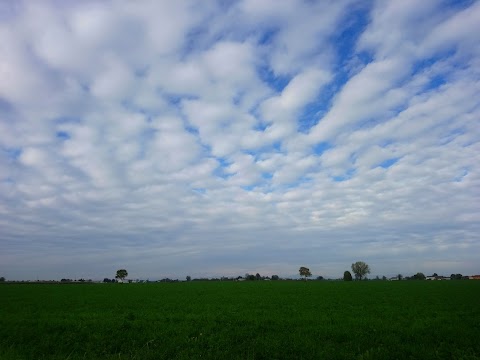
{"x":252,"y":320}
{"x":347,"y":276}
{"x":188,"y":278}
{"x":2,"y":279}
{"x":275,"y":277}
{"x":400,"y":277}
{"x":419,"y":276}
{"x":249,"y":277}
{"x":360,"y":269}
{"x":305,"y":272}
{"x":121,"y":274}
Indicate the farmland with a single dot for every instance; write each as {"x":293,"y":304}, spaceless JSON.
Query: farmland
{"x":242,"y":320}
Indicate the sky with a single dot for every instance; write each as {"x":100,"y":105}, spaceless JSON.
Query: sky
{"x":218,"y":138}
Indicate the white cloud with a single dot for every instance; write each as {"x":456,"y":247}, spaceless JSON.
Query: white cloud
{"x":242,"y":137}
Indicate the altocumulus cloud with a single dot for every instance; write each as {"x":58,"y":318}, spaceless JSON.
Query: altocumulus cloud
{"x":218,"y":138}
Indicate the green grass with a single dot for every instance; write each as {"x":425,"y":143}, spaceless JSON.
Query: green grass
{"x":241,"y":320}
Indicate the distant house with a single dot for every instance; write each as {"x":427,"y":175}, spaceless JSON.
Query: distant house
{"x":474,"y":277}
{"x":436,"y":277}
{"x":395,"y":278}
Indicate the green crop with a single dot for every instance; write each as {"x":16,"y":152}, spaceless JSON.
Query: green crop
{"x":241,"y":320}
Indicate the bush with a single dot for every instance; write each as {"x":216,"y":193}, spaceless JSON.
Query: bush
{"x":347,"y":276}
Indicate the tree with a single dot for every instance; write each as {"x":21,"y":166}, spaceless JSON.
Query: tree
{"x":347,"y":276}
{"x":360,"y":269}
{"x":258,"y":277}
{"x":274,"y":277}
{"x":419,"y":276}
{"x":319,"y":277}
{"x":121,"y":274}
{"x":305,"y":272}
{"x":2,"y":279}
{"x":400,"y":277}
{"x":189,"y":278}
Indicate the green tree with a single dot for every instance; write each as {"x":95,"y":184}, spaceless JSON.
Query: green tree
{"x":419,"y":276}
{"x":189,"y":278}
{"x":305,"y":272}
{"x":360,"y":269}
{"x":2,"y":279}
{"x":400,"y":277}
{"x":121,"y":274}
{"x":274,"y":277}
{"x":347,"y":276}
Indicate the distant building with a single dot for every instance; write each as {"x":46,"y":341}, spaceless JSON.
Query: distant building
{"x":474,"y":277}
{"x":436,"y":277}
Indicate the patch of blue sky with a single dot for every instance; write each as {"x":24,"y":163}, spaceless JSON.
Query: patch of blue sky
{"x":142,"y":71}
{"x":267,"y":36}
{"x":11,"y":153}
{"x":320,"y":148}
{"x":452,"y":135}
{"x":191,"y":129}
{"x":425,"y":64}
{"x":350,"y":29}
{"x":274,"y":81}
{"x":388,"y":163}
{"x":8,"y":181}
{"x":267,"y":175}
{"x":311,"y":115}
{"x":385,"y":142}
{"x":302,"y":181}
{"x":144,"y":140}
{"x":345,"y":48}
{"x":223,"y":163}
{"x":62,"y":135}
{"x":463,"y":173}
{"x":346,"y":176}
{"x":457,"y":5}
{"x":261,"y":126}
{"x":5,"y":106}
{"x":200,"y":191}
{"x":257,"y":153}
{"x":132,"y":107}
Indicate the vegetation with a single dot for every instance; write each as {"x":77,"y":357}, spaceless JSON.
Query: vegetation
{"x":121,"y":274}
{"x":419,"y":276}
{"x":347,"y":276}
{"x":241,"y":320}
{"x":360,"y":269}
{"x":2,"y":279}
{"x":305,"y":272}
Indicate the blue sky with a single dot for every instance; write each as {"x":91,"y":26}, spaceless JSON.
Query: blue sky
{"x":176,"y":138}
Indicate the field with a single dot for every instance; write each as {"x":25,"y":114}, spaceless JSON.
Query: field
{"x":242,"y":320}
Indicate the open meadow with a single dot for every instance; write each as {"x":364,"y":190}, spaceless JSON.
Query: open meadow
{"x":242,"y":320}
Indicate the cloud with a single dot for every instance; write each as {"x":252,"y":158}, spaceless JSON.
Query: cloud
{"x":175,"y":139}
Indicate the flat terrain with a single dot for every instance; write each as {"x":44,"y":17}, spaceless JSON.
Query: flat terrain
{"x":241,"y":320}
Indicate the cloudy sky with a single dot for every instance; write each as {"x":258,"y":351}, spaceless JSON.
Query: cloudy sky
{"x":206,"y":138}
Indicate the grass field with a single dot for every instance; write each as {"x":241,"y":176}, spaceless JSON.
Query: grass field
{"x":242,"y":320}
